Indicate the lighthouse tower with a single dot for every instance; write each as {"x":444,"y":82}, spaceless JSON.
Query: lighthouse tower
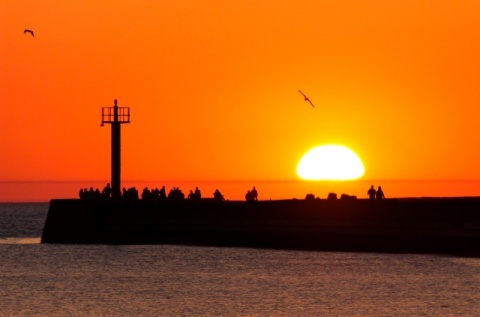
{"x":115,"y":116}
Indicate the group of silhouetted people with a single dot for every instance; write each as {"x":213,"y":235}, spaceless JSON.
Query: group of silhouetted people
{"x":90,"y":194}
{"x":195,"y":195}
{"x":251,"y":195}
{"x":176,"y":194}
{"x":376,"y":194}
{"x":95,"y":194}
{"x":154,"y":195}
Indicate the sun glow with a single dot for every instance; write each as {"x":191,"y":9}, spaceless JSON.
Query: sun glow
{"x":330,"y":162}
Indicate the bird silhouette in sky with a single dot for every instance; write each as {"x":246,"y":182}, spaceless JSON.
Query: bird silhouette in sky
{"x":306,"y":98}
{"x":28,"y":31}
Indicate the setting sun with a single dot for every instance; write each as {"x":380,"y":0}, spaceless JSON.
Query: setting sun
{"x":330,"y":162}
{"x":213,"y":88}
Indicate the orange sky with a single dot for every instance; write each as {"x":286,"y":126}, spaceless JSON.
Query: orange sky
{"x":212,"y":87}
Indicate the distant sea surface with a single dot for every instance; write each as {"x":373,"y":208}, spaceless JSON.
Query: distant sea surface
{"x":167,"y":280}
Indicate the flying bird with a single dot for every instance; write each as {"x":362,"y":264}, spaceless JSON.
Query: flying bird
{"x":28,"y":31}
{"x":306,"y":98}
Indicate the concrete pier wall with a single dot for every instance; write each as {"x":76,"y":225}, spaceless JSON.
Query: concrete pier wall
{"x":422,"y":225}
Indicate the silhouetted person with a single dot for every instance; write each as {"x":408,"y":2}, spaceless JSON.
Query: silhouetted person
{"x":134,"y":193}
{"x":155,"y":195}
{"x":254,"y":193}
{"x":248,"y":196}
{"x":107,"y":191}
{"x":217,"y":195}
{"x":91,"y":194}
{"x":146,"y":194}
{"x":198,"y":194}
{"x":380,"y":194}
{"x":191,"y":195}
{"x":372,"y":193}
{"x":163,"y":194}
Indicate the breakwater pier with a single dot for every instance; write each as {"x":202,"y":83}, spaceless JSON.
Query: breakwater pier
{"x":408,"y":225}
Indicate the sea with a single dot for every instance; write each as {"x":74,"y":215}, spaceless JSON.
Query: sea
{"x":169,"y":280}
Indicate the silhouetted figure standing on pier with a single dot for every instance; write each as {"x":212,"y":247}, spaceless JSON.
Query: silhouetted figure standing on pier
{"x":82,"y":194}
{"x":146,"y":194}
{"x":251,"y":195}
{"x":254,"y":193}
{"x":198,"y":194}
{"x":107,"y":191}
{"x":163,"y":194}
{"x":380,"y":194}
{"x":91,"y":194}
{"x":372,"y":193}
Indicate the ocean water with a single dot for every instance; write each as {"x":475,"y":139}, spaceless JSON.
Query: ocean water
{"x":168,"y":280}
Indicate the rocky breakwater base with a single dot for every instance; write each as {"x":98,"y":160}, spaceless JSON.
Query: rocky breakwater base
{"x":410,"y":225}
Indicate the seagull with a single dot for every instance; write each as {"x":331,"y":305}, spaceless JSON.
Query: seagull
{"x":28,"y":31}
{"x":306,"y":98}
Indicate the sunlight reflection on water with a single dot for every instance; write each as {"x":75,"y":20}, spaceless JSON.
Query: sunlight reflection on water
{"x":20,"y":240}
{"x":83,"y":280}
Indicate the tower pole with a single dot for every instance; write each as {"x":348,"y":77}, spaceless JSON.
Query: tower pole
{"x":116,"y":154}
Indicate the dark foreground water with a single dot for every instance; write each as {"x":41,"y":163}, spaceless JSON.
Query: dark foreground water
{"x":163,"y":280}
